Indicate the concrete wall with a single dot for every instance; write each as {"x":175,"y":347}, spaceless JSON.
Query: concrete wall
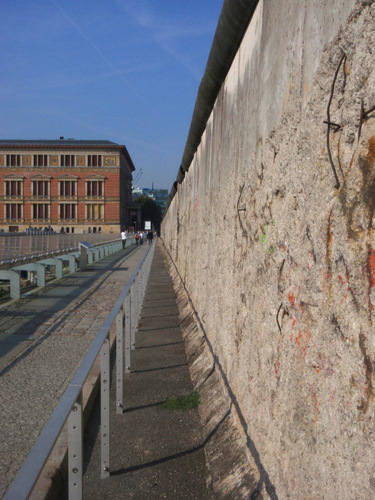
{"x":280,"y":263}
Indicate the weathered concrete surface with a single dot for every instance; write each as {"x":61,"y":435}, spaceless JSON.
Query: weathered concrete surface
{"x":278,"y":262}
{"x":43,"y":339}
{"x":234,"y":474}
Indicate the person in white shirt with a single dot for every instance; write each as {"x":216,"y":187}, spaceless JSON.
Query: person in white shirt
{"x":123,"y":237}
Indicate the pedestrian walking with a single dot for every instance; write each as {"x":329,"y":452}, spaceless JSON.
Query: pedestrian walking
{"x":123,"y":237}
{"x":150,"y":236}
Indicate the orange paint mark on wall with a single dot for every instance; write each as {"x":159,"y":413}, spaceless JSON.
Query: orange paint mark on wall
{"x":298,"y":338}
{"x":326,"y":283}
{"x":315,"y":401}
{"x":342,"y":281}
{"x":277,"y":367}
{"x":371,"y":267}
{"x":291,"y":337}
{"x":306,"y":340}
{"x":302,"y":340}
{"x":291,"y":298}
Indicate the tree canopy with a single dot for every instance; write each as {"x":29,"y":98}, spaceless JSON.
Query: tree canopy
{"x":150,"y":211}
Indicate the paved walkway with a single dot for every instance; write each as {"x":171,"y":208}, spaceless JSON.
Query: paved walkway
{"x":43,"y":339}
{"x":155,"y":453}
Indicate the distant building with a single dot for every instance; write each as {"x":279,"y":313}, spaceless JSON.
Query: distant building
{"x":72,"y":185}
{"x":160,"y":196}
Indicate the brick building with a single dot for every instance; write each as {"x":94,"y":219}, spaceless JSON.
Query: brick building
{"x":71,"y":185}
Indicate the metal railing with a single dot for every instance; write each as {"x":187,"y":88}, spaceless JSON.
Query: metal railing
{"x":125,"y":314}
{"x":38,"y":255}
{"x":86,"y":254}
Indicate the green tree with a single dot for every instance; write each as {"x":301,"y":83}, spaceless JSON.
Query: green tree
{"x":150,"y":211}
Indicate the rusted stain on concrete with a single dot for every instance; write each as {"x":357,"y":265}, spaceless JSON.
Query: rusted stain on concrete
{"x":371,"y":267}
{"x":371,"y":150}
{"x":369,"y":366}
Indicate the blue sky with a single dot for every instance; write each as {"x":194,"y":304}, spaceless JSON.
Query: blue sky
{"x":126,"y":71}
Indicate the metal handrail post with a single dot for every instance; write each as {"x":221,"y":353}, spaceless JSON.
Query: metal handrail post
{"x":90,"y":256}
{"x":75,"y":451}
{"x":104,"y":407}
{"x":136,"y":312}
{"x":132,"y":316}
{"x":142,"y":282}
{"x":26,"y":478}
{"x":127,"y":335}
{"x":147,"y":272}
{"x":144,"y":278}
{"x":119,"y":361}
{"x":136,"y":299}
{"x":139,"y":298}
{"x":148,"y":266}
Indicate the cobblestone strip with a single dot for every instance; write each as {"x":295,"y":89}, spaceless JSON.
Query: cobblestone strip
{"x":33,"y":381}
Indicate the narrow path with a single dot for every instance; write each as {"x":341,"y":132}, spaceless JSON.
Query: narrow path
{"x":155,"y":452}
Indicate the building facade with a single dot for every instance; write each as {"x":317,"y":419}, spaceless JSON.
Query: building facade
{"x":72,"y":185}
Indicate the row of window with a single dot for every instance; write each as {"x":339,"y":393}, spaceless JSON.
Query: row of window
{"x":42,"y":211}
{"x":42,"y":188}
{"x":17,"y":160}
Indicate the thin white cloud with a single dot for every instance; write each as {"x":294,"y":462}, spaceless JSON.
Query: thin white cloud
{"x":83,"y":35}
{"x":97,"y":49}
{"x":163,"y":33}
{"x":140,"y":11}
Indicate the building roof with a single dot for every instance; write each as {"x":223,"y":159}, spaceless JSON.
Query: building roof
{"x":55,"y":142}
{"x":64,"y":143}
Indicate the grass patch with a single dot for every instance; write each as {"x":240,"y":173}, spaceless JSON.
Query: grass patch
{"x":182,"y":402}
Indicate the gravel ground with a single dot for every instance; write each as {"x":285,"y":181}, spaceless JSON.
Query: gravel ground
{"x":43,"y":339}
